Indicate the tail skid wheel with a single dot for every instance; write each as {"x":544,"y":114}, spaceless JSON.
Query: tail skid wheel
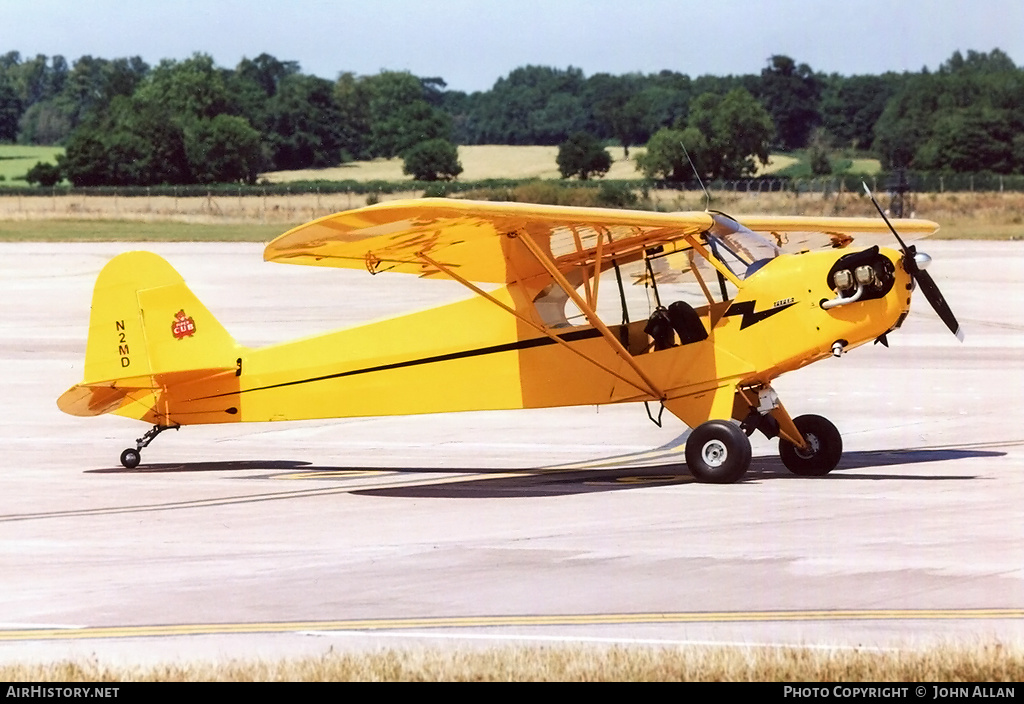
{"x":130,"y":458}
{"x":825,"y":447}
{"x":718,"y":452}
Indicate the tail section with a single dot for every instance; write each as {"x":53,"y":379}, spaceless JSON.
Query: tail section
{"x":147,"y":333}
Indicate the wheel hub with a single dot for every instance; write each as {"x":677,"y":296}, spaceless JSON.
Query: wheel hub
{"x":813,"y":447}
{"x":714,"y":453}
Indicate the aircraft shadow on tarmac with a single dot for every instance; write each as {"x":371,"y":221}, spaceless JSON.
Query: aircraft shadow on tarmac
{"x":580,"y":480}
{"x":605,"y":474}
{"x":246,"y":465}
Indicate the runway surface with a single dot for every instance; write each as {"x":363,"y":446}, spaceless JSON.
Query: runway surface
{"x":480,"y":529}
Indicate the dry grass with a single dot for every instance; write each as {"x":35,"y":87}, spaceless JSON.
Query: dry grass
{"x":499,"y":161}
{"x":213,"y":210}
{"x":989,"y":663}
{"x":776,"y":163}
{"x":479,"y":162}
{"x":258,"y":218}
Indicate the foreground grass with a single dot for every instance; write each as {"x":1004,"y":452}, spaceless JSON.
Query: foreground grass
{"x":989,"y":663}
{"x":131,"y":231}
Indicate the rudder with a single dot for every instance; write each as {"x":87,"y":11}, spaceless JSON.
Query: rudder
{"x":146,"y":321}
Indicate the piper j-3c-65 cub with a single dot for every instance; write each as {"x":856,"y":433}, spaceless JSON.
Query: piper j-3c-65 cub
{"x":543,"y":328}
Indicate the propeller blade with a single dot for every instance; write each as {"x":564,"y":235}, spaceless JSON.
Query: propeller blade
{"x":934,"y":295}
{"x":923,"y":278}
{"x":903,"y":245}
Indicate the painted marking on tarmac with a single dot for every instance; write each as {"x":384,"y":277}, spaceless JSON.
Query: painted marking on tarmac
{"x":373,"y":625}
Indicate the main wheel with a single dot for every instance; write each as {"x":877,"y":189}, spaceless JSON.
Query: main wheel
{"x":130,"y":458}
{"x":825,"y":447}
{"x":717,"y":452}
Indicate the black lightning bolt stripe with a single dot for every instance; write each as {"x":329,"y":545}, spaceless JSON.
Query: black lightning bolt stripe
{"x":746,"y":309}
{"x":512,"y":346}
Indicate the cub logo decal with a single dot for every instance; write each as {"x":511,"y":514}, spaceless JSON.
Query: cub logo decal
{"x":183,"y":326}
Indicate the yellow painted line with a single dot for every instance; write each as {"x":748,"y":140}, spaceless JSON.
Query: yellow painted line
{"x":370,"y":625}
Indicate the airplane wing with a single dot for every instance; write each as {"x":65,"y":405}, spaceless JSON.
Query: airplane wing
{"x":793,"y":233}
{"x":476,"y":239}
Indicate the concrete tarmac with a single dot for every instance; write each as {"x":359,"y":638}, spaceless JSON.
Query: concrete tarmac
{"x":481,"y":529}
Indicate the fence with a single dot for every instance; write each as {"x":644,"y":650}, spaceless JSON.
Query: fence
{"x":298,"y":202}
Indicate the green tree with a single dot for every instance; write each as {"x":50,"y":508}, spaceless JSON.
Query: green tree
{"x":352,"y":99}
{"x":738,"y":130}
{"x":303,"y":124}
{"x":193,"y":87}
{"x":225,"y":149}
{"x":724,"y":137}
{"x":399,"y":115}
{"x":818,"y":153}
{"x":851,"y":106}
{"x":10,"y":111}
{"x":791,"y":94}
{"x":665,"y":157}
{"x":582,"y":155}
{"x":132,"y":144}
{"x":432,"y":160}
{"x":44,"y":174}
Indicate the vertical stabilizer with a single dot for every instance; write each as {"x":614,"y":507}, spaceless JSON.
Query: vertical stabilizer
{"x":148,"y":334}
{"x":145,"y":321}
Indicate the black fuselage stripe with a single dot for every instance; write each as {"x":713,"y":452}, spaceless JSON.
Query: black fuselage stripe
{"x":495,"y":349}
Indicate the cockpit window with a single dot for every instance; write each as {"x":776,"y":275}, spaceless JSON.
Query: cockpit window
{"x":743,"y":251}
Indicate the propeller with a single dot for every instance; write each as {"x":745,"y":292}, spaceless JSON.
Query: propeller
{"x":914,"y":262}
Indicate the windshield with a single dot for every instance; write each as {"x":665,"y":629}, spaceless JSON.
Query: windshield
{"x":743,"y":251}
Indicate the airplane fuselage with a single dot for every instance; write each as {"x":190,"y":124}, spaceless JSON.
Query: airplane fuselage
{"x":473,"y":355}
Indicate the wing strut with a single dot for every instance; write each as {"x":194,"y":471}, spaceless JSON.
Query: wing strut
{"x":539,"y":328}
{"x":588,"y":311}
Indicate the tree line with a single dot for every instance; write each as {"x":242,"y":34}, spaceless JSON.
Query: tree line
{"x":124,"y":122}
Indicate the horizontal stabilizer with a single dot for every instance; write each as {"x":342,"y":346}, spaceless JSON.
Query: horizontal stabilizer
{"x":147,"y":333}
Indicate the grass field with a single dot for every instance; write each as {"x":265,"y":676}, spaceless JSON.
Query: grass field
{"x":133,"y":231}
{"x":992,"y":663}
{"x":479,"y":162}
{"x":258,"y":219}
{"x":16,"y":160}
{"x":58,"y":217}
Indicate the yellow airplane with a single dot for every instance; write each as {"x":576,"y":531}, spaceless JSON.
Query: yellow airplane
{"x":543,"y":328}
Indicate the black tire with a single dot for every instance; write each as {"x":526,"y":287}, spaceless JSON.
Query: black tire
{"x":130,"y":458}
{"x":717,"y":452}
{"x":826,"y":448}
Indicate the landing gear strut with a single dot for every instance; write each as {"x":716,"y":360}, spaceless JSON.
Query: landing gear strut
{"x":130,"y":458}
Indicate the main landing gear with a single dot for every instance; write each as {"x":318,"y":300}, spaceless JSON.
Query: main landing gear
{"x":824,"y":447}
{"x":718,"y":451}
{"x":130,"y":458}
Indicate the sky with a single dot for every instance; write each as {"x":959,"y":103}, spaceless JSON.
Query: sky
{"x":472,"y":43}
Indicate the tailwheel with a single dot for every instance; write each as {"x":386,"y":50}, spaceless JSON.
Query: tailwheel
{"x":717,"y":452}
{"x":824,"y":447}
{"x":130,"y":458}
